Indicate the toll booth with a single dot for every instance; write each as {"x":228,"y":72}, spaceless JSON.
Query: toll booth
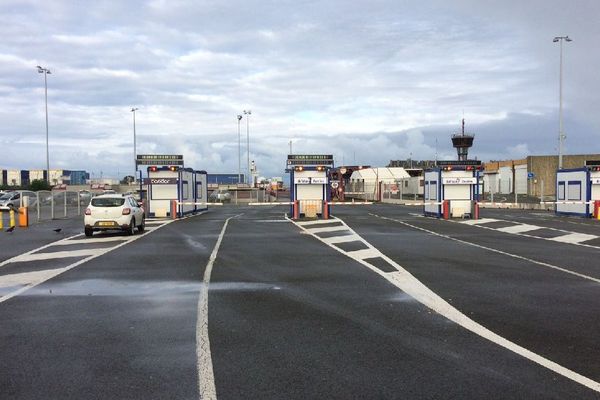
{"x":451,"y":189}
{"x":578,"y":189}
{"x":185,"y":185}
{"x":309,"y":185}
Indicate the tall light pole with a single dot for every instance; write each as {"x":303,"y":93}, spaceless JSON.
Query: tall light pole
{"x":248,"y":113}
{"x":133,"y":110}
{"x":46,"y":71}
{"x":561,"y":135}
{"x":239,"y":119}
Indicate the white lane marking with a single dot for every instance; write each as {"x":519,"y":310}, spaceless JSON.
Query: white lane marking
{"x":317,"y":221}
{"x":519,"y":228}
{"x":574,"y":238}
{"x":406,"y":282}
{"x":68,"y":267}
{"x":478,"y":221}
{"x":364,"y":253}
{"x":57,"y":254}
{"x":525,"y":234}
{"x":206,"y":376}
{"x":544,"y":264}
{"x":341,"y":239}
{"x":327,"y":229}
{"x":8,"y":261}
{"x":93,"y":240}
{"x":270,"y":220}
{"x":155,"y":222}
{"x":413,"y":287}
{"x":26,"y":278}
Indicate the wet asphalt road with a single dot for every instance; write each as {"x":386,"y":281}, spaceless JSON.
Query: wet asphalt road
{"x":291,"y":318}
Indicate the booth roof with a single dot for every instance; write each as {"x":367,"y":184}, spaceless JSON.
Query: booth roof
{"x":382,"y":174}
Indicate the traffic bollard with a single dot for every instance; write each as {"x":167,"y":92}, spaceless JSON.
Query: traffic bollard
{"x":446,"y":209}
{"x":325,"y":210}
{"x":23,"y":217}
{"x":296,"y":210}
{"x":174,"y":209}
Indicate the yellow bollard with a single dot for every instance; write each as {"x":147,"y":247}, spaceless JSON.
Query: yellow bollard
{"x":1,"y":219}
{"x":12,"y":217}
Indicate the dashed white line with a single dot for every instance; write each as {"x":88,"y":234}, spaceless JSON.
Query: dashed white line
{"x":478,"y":221}
{"x":341,"y":239}
{"x":316,"y":222}
{"x":519,"y":228}
{"x":364,"y":253}
{"x":92,"y":240}
{"x":57,"y":254}
{"x":574,"y":238}
{"x":326,"y":229}
{"x":26,"y":278}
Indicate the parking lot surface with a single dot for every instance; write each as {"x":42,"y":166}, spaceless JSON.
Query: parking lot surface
{"x":240,"y":302}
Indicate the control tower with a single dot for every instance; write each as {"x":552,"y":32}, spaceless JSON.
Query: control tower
{"x":462,"y":141}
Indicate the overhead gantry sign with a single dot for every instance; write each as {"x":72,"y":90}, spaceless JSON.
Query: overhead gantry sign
{"x":309,"y":185}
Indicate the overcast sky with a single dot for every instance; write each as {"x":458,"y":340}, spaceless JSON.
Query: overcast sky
{"x":367,"y":81}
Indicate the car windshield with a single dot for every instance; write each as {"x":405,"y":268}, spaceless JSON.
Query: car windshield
{"x":6,"y":196}
{"x":108,"y":201}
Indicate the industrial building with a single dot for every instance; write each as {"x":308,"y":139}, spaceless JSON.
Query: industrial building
{"x":15,"y":177}
{"x":533,"y":176}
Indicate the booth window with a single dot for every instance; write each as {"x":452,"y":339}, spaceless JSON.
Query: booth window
{"x":574,"y":192}
{"x":426,"y":190}
{"x":185,"y":190}
{"x":164,"y":192}
{"x":561,"y":191}
{"x":198,"y":190}
{"x":433,"y":190}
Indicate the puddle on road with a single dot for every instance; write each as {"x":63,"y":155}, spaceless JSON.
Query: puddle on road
{"x":246,"y":286}
{"x":402,"y":298}
{"x":104,"y":287}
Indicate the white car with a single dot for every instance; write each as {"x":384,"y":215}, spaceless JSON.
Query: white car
{"x":114,"y":211}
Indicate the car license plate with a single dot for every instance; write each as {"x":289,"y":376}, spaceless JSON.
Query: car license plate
{"x":106,"y":223}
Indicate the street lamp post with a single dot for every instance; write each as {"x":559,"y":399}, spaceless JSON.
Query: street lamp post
{"x":46,"y":71}
{"x":133,"y":110}
{"x":561,"y":135}
{"x":248,"y":113}
{"x":239,"y":119}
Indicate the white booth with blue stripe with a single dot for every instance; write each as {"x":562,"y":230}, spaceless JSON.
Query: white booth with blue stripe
{"x":577,"y":189}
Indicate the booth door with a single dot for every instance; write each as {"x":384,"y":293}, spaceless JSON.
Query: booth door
{"x":595,"y":193}
{"x":460,"y":199}
{"x":310,"y":195}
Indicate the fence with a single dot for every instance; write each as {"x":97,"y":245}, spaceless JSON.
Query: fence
{"x":48,"y":205}
{"x":245,"y":197}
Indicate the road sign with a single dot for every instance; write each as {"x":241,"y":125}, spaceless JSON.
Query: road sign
{"x":310,"y":159}
{"x":334,"y":184}
{"x":530,"y":175}
{"x":159,"y":159}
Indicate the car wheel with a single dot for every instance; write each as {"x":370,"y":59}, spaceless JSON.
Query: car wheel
{"x":131,"y":229}
{"x":88,"y":232}
{"x":142,"y":226}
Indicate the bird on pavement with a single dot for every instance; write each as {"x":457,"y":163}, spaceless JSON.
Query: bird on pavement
{"x":12,"y":228}
{"x":57,"y":230}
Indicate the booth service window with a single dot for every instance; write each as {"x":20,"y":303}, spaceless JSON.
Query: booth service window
{"x":574,"y":190}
